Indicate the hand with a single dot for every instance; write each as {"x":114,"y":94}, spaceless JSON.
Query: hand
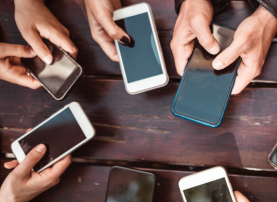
{"x":35,"y":21}
{"x":10,"y":66}
{"x":193,"y":22}
{"x":240,"y":197}
{"x":103,"y":29}
{"x":23,"y":184}
{"x":251,"y":42}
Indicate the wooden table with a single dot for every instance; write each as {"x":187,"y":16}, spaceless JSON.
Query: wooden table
{"x":140,"y":131}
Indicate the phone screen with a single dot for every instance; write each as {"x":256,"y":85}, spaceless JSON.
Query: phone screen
{"x":59,"y":134}
{"x":205,"y":91}
{"x":57,"y":77}
{"x":127,"y":185}
{"x":273,"y":157}
{"x":140,"y":59}
{"x":215,"y":191}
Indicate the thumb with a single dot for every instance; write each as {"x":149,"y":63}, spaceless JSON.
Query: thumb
{"x":7,"y":50}
{"x":229,"y":55}
{"x":206,"y":38}
{"x":240,"y":197}
{"x":113,"y":29}
{"x":31,"y":160}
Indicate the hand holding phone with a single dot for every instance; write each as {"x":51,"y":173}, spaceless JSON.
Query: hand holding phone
{"x":141,"y":62}
{"x":62,"y":133}
{"x":59,"y":76}
{"x":23,"y":184}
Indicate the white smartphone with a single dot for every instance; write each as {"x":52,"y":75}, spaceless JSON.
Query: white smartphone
{"x":210,"y":185}
{"x":62,"y":133}
{"x":142,"y":63}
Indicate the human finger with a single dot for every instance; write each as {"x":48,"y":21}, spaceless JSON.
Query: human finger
{"x":11,"y":164}
{"x":181,"y":54}
{"x":204,"y":35}
{"x":244,"y":77}
{"x":230,"y":54}
{"x":240,"y":197}
{"x":105,"y":18}
{"x":59,"y":168}
{"x":7,"y":50}
{"x":33,"y":38}
{"x":30,"y":160}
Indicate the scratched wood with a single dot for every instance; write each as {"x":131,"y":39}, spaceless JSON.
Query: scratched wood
{"x":141,"y":128}
{"x":93,"y":59}
{"x":89,"y":184}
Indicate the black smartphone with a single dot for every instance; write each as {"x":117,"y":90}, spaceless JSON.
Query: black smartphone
{"x":272,"y":157}
{"x":129,"y":185}
{"x":204,"y":92}
{"x":58,"y":77}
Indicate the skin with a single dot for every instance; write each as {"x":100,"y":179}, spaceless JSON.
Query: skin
{"x":240,"y":197}
{"x":11,"y":69}
{"x":251,"y":41}
{"x":35,"y":21}
{"x":103,"y":29}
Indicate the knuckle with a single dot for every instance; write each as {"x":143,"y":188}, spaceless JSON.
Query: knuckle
{"x":113,"y":33}
{"x":20,"y":50}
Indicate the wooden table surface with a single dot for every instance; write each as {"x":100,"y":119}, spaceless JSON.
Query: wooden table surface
{"x":140,"y":131}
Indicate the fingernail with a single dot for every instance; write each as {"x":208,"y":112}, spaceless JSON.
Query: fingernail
{"x":47,"y":59}
{"x":32,"y":52}
{"x":217,"y":64}
{"x":125,"y":41}
{"x":214,"y":50}
{"x":40,"y":148}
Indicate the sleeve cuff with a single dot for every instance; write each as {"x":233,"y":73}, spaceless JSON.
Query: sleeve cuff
{"x":269,"y":5}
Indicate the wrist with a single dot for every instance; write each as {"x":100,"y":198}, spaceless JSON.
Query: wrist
{"x":267,"y":18}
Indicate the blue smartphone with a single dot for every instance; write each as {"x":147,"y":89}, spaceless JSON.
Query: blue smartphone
{"x":204,"y":92}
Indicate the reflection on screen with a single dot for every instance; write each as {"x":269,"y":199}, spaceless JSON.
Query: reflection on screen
{"x":130,"y":186}
{"x":57,"y":76}
{"x":215,"y":191}
{"x":204,"y":90}
{"x":59,"y":134}
{"x":141,"y":58}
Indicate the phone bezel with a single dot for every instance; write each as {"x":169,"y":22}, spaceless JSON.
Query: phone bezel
{"x":194,"y":119}
{"x":133,"y":170}
{"x":82,"y":120}
{"x":203,"y":177}
{"x":274,"y":150}
{"x":153,"y":82}
{"x":65,"y":91}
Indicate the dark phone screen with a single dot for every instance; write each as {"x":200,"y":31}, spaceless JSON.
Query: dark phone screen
{"x":215,"y":191}
{"x":273,"y":157}
{"x":59,"y":134}
{"x":205,"y":91}
{"x":140,"y":59}
{"x":130,"y":186}
{"x":56,"y":77}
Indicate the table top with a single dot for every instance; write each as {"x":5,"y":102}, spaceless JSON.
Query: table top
{"x":139,"y":130}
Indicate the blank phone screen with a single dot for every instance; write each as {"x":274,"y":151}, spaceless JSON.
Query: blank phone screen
{"x":215,"y":191}
{"x":204,"y":91}
{"x":59,"y":134}
{"x":56,"y":77}
{"x":140,"y":59}
{"x":130,"y":186}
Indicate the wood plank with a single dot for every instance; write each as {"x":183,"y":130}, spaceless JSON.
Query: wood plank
{"x":141,"y":127}
{"x":92,"y":58}
{"x":89,"y":183}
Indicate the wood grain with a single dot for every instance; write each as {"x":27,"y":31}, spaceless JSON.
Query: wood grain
{"x":92,"y":58}
{"x":141,"y":128}
{"x":87,"y":183}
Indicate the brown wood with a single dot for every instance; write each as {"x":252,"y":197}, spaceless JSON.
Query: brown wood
{"x":89,"y":184}
{"x":141,"y":128}
{"x":72,"y":15}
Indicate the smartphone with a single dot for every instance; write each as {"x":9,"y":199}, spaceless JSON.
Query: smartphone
{"x":61,"y":133}
{"x":58,"y":77}
{"x":127,"y":185}
{"x":204,"y":92}
{"x":142,"y":63}
{"x":272,"y":157}
{"x":210,"y":185}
